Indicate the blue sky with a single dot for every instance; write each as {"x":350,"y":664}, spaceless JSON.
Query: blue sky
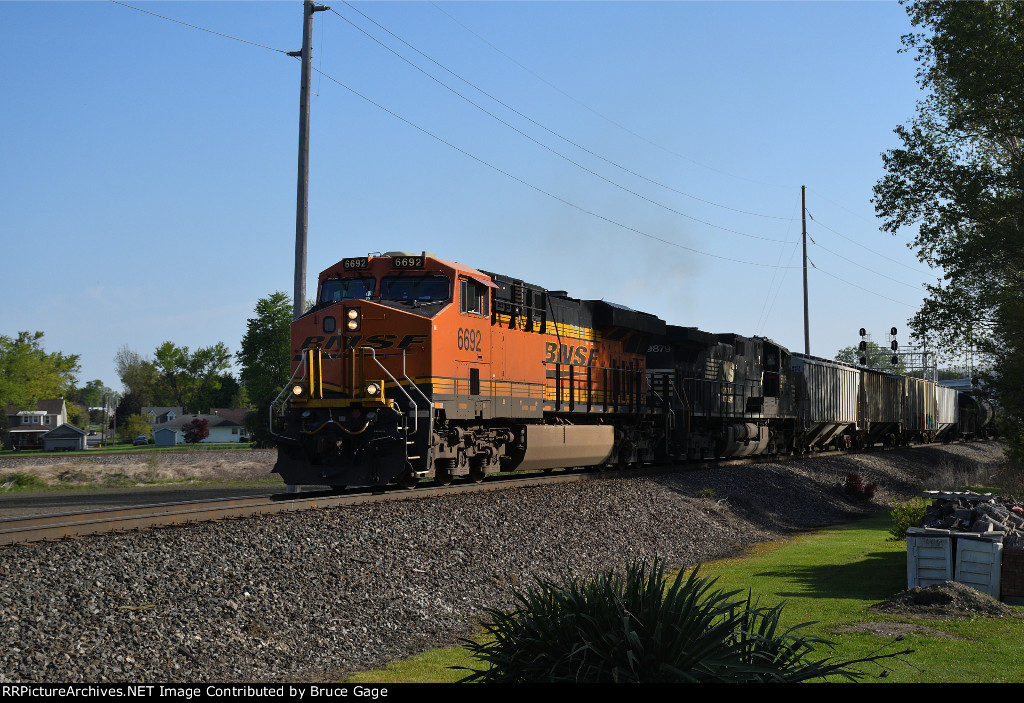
{"x":650,"y":154}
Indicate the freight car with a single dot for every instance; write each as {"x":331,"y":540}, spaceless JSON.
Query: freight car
{"x":409,"y":366}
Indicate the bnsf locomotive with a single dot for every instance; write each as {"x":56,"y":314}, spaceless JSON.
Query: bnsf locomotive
{"x":409,"y":366}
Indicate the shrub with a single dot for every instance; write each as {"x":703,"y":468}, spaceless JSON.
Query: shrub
{"x":21,"y":482}
{"x":639,"y":628}
{"x":856,"y":488}
{"x":904,"y":515}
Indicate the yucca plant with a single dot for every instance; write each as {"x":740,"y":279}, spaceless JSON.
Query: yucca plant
{"x":636,"y":627}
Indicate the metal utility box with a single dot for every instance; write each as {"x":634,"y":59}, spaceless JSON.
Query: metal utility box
{"x":929,"y":557}
{"x":978,"y":562}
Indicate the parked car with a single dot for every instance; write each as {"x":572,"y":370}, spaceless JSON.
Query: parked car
{"x":92,"y":433}
{"x":141,"y":439}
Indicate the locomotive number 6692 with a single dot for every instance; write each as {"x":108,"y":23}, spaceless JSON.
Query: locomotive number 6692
{"x":469,"y":340}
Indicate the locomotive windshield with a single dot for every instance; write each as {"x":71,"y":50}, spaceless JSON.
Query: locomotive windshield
{"x":423,"y":288}
{"x":346,"y":289}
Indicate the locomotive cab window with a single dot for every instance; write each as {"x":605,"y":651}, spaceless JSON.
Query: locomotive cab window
{"x":347,"y":289}
{"x":473,"y":296}
{"x":418,"y":288}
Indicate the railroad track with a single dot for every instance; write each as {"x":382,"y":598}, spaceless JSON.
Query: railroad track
{"x":34,"y":528}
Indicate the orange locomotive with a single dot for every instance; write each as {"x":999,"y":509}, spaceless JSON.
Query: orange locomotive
{"x":410,"y":366}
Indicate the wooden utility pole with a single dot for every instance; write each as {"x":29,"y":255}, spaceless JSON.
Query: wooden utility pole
{"x":807,"y":324}
{"x":302,"y":204}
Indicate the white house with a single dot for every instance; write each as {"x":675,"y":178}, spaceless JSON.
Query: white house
{"x":222,"y":429}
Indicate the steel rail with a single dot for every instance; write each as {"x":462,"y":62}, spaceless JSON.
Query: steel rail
{"x":54,"y":526}
{"x":34,"y":528}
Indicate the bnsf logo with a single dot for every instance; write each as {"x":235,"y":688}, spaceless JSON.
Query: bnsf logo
{"x":377,"y":341}
{"x":568,"y":354}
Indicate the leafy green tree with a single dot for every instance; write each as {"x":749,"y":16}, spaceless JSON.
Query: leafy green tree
{"x":132,"y":427}
{"x":187,"y":378}
{"x":92,"y":394}
{"x":29,"y":374}
{"x":875,"y":356}
{"x":265,"y":359}
{"x":138,"y":375}
{"x":78,"y":415}
{"x":959,"y":179}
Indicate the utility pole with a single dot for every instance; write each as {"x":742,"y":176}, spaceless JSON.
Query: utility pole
{"x":302,"y":204}
{"x":807,"y":324}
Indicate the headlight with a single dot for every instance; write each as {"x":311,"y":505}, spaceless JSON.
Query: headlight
{"x":352,"y":319}
{"x":297,"y":390}
{"x":372,"y":389}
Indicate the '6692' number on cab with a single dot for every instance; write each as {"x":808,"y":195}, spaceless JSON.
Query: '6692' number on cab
{"x":469,"y":340}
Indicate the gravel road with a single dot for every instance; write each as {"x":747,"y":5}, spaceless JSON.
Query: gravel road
{"x":310,"y":596}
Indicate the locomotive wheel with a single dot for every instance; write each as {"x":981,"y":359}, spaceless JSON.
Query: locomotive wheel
{"x":442,"y":477}
{"x":408,"y":479}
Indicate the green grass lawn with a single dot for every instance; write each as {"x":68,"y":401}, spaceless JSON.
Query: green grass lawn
{"x":831,"y":578}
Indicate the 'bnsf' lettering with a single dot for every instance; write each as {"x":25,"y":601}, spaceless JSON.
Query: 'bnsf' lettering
{"x":569,"y":354}
{"x":377,"y":341}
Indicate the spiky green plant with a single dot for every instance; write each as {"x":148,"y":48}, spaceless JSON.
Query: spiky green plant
{"x":637,"y":627}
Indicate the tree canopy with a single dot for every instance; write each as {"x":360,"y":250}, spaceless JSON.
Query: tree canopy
{"x":264,"y":356}
{"x":177,"y":376}
{"x":29,"y":374}
{"x":959,"y":179}
{"x":875,"y":357}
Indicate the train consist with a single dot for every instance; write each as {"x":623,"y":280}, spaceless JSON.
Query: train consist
{"x":410,"y":366}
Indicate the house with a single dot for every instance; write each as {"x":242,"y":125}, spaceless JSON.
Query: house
{"x":159,"y":416}
{"x":222,"y":429}
{"x":25,"y":428}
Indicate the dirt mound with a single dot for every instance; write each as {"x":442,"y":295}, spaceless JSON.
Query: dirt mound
{"x":950,"y":599}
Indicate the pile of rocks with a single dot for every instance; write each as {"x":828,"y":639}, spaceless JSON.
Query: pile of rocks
{"x":977,"y":513}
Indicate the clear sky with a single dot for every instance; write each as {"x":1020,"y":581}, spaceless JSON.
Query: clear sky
{"x":650,"y":154}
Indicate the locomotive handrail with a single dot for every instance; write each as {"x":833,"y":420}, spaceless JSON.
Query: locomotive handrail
{"x":416,"y":415}
{"x":430,"y":414}
{"x":286,"y":389}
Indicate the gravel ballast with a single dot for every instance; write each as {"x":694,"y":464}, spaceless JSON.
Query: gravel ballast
{"x":310,"y":596}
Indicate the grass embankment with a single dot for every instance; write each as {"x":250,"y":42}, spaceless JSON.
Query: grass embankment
{"x":830,"y":577}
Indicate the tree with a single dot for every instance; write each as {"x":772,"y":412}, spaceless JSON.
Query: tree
{"x":196,"y":431}
{"x":875,"y":357}
{"x":78,"y":415}
{"x":132,"y":427}
{"x":29,"y":374}
{"x":188,"y":379}
{"x":265,"y":359}
{"x":92,"y":394}
{"x":959,"y":178}
{"x":138,"y":375}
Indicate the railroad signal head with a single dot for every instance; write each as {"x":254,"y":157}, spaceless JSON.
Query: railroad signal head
{"x":895,"y":360}
{"x":863,"y":332}
{"x":892,"y":331}
{"x":894,"y":345}
{"x":863,"y":346}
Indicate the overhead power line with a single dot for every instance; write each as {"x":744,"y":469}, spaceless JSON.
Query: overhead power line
{"x":557,"y":153}
{"x":533,"y":121}
{"x":538,"y":188}
{"x":195,"y":26}
{"x":602,"y":115}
